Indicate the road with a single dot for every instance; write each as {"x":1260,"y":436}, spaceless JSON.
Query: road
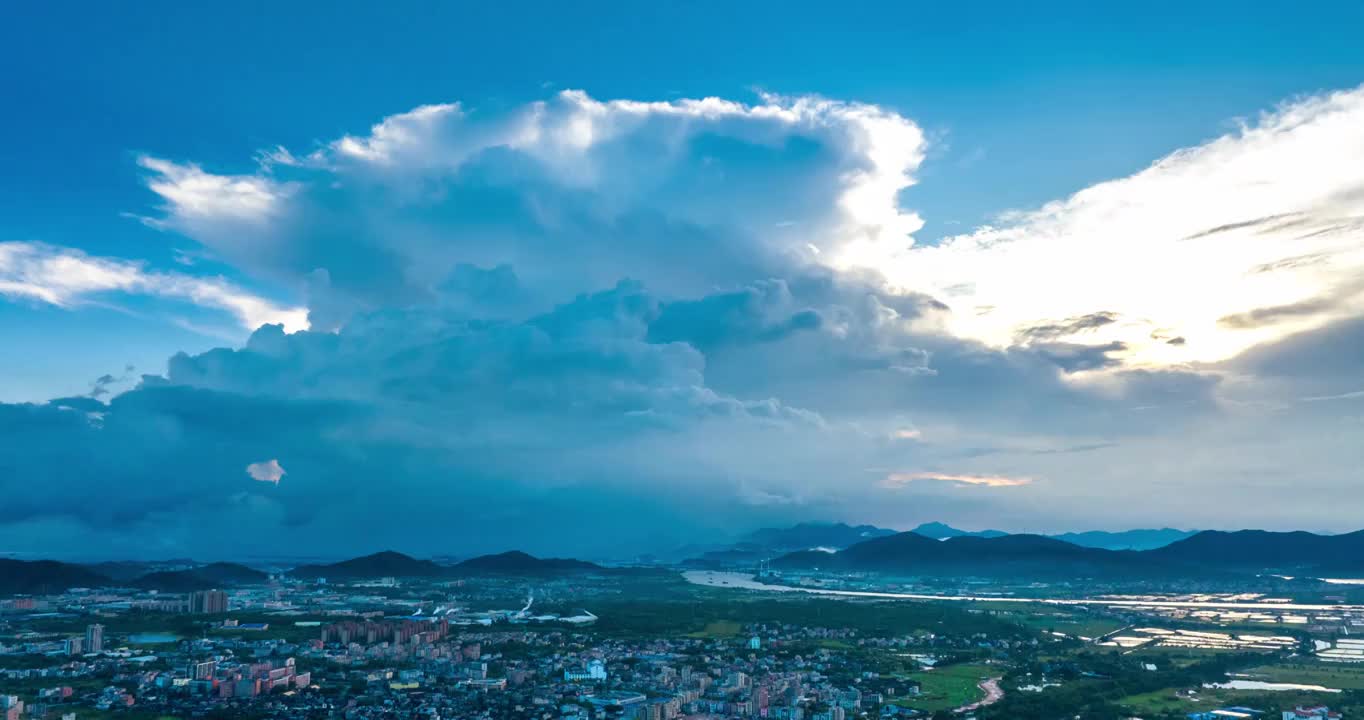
{"x":993,"y":694}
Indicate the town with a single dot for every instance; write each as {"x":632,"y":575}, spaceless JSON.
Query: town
{"x":648,"y":644}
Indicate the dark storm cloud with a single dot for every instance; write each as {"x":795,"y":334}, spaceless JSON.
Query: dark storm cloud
{"x":1073,"y":357}
{"x":758,"y":313}
{"x":1260,"y":317}
{"x":1276,"y":220}
{"x":1334,"y":352}
{"x":1046,"y":332}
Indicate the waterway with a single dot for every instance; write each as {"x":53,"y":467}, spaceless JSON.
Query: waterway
{"x":741,"y":581}
{"x":1273,"y":686}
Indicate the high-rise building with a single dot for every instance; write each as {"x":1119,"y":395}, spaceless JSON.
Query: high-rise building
{"x":94,"y":638}
{"x":12,"y":706}
{"x":75,"y":646}
{"x":208,"y":602}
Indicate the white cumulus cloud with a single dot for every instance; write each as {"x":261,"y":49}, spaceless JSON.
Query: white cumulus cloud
{"x":266,"y":471}
{"x":67,"y":277}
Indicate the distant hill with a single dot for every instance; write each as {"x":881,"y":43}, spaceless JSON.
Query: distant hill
{"x":941,"y":531}
{"x":1295,"y":552}
{"x":743,"y":554}
{"x":124,"y":570}
{"x":910,"y":553}
{"x":395,"y":564}
{"x":766,"y":543}
{"x":1145,"y":539}
{"x":1123,"y":540}
{"x":45,"y":576}
{"x":812,"y":535}
{"x":380,"y":564}
{"x":1008,"y":555}
{"x":519,"y":563}
{"x":213,"y":575}
{"x":1204,"y":553}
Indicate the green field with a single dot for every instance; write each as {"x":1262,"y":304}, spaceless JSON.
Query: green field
{"x":949,"y":687}
{"x":1165,"y":701}
{"x":708,"y":614}
{"x":1344,"y":677}
{"x":1180,"y":656}
{"x":718,"y":629}
{"x":1082,"y":626}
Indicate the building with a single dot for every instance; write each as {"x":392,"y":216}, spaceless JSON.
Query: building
{"x":595,"y":670}
{"x":12,"y":706}
{"x":1227,"y":713}
{"x":1316,"y":712}
{"x":94,"y":638}
{"x":208,"y":602}
{"x":74,"y":646}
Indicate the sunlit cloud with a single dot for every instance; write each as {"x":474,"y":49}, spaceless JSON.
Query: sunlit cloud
{"x":190,"y":192}
{"x":1209,"y":251}
{"x":67,"y":278}
{"x":898,"y":480}
{"x":585,"y":173}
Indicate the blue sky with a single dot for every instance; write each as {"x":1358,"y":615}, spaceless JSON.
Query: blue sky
{"x":150,"y":211}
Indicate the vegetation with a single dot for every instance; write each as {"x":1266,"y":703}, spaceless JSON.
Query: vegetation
{"x":675,"y":618}
{"x":948,"y":687}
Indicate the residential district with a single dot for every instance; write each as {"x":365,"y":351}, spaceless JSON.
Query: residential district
{"x":651,"y":648}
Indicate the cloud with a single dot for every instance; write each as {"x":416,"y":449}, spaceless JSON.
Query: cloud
{"x":1351,"y":395}
{"x":1070,"y":327}
{"x":677,"y":319}
{"x":900,"y":479}
{"x":1264,"y":316}
{"x":1266,"y":216}
{"x":266,"y":471}
{"x":66,"y":278}
{"x":572,"y":192}
{"x":191,"y":193}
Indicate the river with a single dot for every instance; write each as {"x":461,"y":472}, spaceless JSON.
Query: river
{"x":1271,"y":686}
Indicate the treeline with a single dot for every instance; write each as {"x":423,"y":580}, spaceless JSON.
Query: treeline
{"x":1095,"y":693}
{"x":869,"y":619}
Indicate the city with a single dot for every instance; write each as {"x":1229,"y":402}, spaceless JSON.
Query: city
{"x":513,"y":636}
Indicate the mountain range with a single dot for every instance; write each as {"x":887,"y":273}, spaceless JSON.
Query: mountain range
{"x":396,"y":564}
{"x":1249,"y":551}
{"x":49,"y":576}
{"x":804,"y":536}
{"x":941,"y":531}
{"x":519,"y":563}
{"x":1143,"y":539}
{"x":1290,"y":552}
{"x":907,"y":553}
{"x":766,"y":543}
{"x":204,"y":577}
{"x":45,"y":576}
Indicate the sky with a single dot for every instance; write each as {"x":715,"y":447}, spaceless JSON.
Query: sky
{"x":328,"y":278}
